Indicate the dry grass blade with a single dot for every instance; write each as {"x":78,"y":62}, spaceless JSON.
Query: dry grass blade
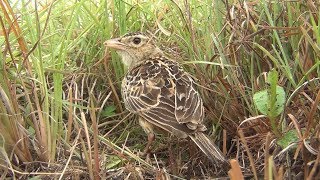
{"x":32,"y":98}
{"x":11,"y":130}
{"x":115,"y":94}
{"x":88,"y":155}
{"x":224,"y":147}
{"x":43,"y":173}
{"x":243,"y":140}
{"x":75,"y":143}
{"x":311,"y":114}
{"x":95,"y":140}
{"x":70,"y":113}
{"x":5,"y":159}
{"x":296,"y":125}
{"x":315,"y":167}
{"x":59,"y":104}
{"x":266,"y":157}
{"x":298,"y":128}
{"x":115,"y":126}
{"x":272,"y":168}
{"x":5,"y":6}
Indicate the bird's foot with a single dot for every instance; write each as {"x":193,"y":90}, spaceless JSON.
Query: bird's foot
{"x":147,"y":150}
{"x":151,"y":138}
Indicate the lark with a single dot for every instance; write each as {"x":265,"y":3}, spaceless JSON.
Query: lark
{"x":161,"y":93}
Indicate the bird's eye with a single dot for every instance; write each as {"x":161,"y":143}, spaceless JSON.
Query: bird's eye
{"x":136,"y":40}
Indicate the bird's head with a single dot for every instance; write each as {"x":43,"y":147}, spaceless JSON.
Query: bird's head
{"x":133,"y":48}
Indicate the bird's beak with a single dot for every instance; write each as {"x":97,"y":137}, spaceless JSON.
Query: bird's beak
{"x":115,"y":44}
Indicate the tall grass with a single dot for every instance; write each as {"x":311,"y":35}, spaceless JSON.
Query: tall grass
{"x":60,"y":88}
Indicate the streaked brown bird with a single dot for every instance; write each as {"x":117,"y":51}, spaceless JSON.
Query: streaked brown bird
{"x":161,"y":93}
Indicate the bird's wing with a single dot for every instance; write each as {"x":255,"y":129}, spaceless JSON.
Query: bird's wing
{"x":163,"y":94}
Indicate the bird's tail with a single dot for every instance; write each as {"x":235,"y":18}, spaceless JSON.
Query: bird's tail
{"x":209,"y":148}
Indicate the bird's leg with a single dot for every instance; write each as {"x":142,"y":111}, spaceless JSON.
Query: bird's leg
{"x":148,"y":128}
{"x":151,"y":138}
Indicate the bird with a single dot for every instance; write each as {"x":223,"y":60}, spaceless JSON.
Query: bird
{"x":162,"y":94}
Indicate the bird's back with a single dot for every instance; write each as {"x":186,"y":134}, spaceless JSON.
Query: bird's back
{"x":161,"y":92}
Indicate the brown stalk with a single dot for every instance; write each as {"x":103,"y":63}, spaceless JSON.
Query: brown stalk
{"x":95,"y":140}
{"x":274,"y":168}
{"x":75,"y":143}
{"x":266,"y":156}
{"x":224,"y":150}
{"x":315,"y":167}
{"x":42,"y":173}
{"x":4,"y":4}
{"x":70,"y":114}
{"x":296,"y":125}
{"x":243,"y":140}
{"x":88,"y":154}
{"x":298,"y":128}
{"x":122,"y":120}
{"x":13,"y":136}
{"x":311,"y":114}
{"x":25,"y":156}
{"x":313,"y":9}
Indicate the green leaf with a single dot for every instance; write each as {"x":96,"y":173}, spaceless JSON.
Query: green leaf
{"x":31,"y":130}
{"x":113,"y":162}
{"x":288,"y":138}
{"x":108,"y":111}
{"x":280,"y":101}
{"x":272,"y":94}
{"x":273,"y":77}
{"x":261,"y":100}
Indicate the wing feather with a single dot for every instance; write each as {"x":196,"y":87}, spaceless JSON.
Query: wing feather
{"x":165,"y":95}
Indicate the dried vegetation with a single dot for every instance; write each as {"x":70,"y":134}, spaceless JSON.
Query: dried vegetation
{"x":61,"y":114}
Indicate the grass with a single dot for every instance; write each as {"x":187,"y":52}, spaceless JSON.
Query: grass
{"x":61,"y":113}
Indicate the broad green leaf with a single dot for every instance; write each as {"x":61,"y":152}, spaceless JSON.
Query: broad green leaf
{"x":288,"y":138}
{"x":261,"y":100}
